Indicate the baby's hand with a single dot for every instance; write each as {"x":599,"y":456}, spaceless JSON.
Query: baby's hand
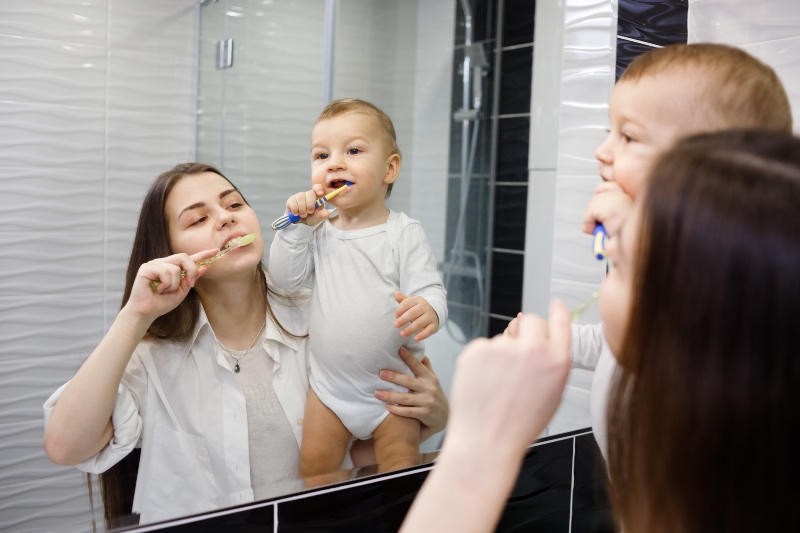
{"x":419,"y":313}
{"x":609,"y":206}
{"x":512,"y":329}
{"x":303,"y":204}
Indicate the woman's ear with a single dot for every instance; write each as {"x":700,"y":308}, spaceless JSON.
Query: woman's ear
{"x":392,"y":168}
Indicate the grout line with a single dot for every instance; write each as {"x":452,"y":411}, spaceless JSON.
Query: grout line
{"x":275,"y":519}
{"x":509,"y":251}
{"x":651,"y":45}
{"x":517,"y":46}
{"x":572,"y":483}
{"x":562,"y":438}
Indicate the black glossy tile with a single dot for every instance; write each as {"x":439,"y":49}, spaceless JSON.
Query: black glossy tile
{"x":540,"y":499}
{"x":474,"y":220}
{"x":506,"y":294}
{"x":518,"y":21}
{"x":376,"y":507}
{"x":515,"y":81}
{"x":591,"y":508}
{"x":627,"y":52}
{"x":245,"y":521}
{"x":496,"y":326}
{"x":483,"y":20}
{"x":510,"y":205}
{"x":660,"y":22}
{"x":513,"y":135}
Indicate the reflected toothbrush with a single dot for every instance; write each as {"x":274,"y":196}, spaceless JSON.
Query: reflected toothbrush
{"x":583,"y":307}
{"x":599,"y":242}
{"x":290,"y":218}
{"x":238,"y":242}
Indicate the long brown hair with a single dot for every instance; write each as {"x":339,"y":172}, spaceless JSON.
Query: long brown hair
{"x":704,"y":409}
{"x":117,"y":484}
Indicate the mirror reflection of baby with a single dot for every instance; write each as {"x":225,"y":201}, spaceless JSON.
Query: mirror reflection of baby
{"x":375,"y":288}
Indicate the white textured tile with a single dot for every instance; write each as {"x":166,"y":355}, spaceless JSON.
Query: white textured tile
{"x":588,"y":24}
{"x":572,"y":249}
{"x":55,"y":504}
{"x":118,"y":251}
{"x":168,"y":28}
{"x":151,"y":83}
{"x":574,"y":410}
{"x":740,"y":22}
{"x":51,"y":136}
{"x":76,"y":22}
{"x":35,"y":70}
{"x":539,"y":241}
{"x":50,"y":263}
{"x":26,"y":383}
{"x":49,"y":199}
{"x":113,"y":303}
{"x":149,"y":142}
{"x":125,"y":191}
{"x":574,"y":293}
{"x":22,"y":457}
{"x":584,"y":118}
{"x":50,"y":325}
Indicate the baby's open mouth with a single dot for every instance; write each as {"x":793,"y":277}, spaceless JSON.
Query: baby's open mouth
{"x":338,"y":183}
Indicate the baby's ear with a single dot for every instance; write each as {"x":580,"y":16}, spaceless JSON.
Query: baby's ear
{"x":392,"y":168}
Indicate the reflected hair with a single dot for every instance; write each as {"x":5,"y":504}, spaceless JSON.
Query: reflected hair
{"x":354,"y":105}
{"x":703,"y":410}
{"x":736,"y":89}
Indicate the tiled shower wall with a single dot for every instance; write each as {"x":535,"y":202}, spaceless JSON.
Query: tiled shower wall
{"x":96,"y":98}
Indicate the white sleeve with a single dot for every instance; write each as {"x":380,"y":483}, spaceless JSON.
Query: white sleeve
{"x":418,"y":273}
{"x":126,"y":419}
{"x":586,"y":345}
{"x":291,"y":257}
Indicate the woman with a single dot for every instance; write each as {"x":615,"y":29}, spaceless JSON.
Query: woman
{"x":204,"y":369}
{"x":701,"y":306}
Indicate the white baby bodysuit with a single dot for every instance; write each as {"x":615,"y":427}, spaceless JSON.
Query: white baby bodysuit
{"x":351,"y":321}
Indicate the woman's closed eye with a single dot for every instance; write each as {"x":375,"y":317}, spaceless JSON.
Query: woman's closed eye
{"x":199,"y":221}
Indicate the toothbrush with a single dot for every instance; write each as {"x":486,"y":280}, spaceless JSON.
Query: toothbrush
{"x":583,"y":307}
{"x":290,"y":218}
{"x":232,"y":245}
{"x":599,"y":242}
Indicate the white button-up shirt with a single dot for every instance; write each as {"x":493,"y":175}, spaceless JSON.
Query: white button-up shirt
{"x":180,"y":402}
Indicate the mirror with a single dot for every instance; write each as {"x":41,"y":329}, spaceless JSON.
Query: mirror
{"x":100,"y":97}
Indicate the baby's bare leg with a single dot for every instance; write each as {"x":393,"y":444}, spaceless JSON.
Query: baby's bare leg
{"x":396,"y":443}
{"x":325,"y":439}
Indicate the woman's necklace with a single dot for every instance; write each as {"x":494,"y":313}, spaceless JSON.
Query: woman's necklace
{"x":236,"y":368}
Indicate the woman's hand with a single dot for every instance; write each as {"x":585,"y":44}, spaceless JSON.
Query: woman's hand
{"x":150,"y":304}
{"x":425,"y":399}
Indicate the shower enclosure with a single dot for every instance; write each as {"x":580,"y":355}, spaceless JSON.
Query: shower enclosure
{"x":266,"y":69}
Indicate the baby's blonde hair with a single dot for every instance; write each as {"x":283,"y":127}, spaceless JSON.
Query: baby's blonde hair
{"x":354,"y":105}
{"x":736,"y":89}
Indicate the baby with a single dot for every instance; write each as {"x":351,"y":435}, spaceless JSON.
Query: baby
{"x":364,"y":260}
{"x":664,"y":95}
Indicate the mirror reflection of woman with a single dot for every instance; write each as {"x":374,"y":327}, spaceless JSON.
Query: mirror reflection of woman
{"x":207,"y":373}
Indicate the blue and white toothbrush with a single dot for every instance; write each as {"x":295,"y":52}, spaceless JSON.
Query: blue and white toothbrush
{"x":290,"y":218}
{"x":599,"y":242}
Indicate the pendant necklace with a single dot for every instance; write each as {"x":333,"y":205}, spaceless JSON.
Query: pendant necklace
{"x":239,"y":358}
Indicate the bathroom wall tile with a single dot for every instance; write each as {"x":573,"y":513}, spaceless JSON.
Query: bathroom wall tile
{"x":26,"y":383}
{"x":125,"y":190}
{"x":584,"y":118}
{"x":112,"y":302}
{"x":118,"y":246}
{"x":151,"y":83}
{"x":515,"y":84}
{"x":42,"y":264}
{"x":51,"y":136}
{"x":22,"y":457}
{"x":572,"y":256}
{"x":35,"y":70}
{"x":168,"y":28}
{"x":573,"y":412}
{"x":44,"y":199}
{"x":742,"y":22}
{"x":380,"y":505}
{"x":627,"y":51}
{"x":540,"y":500}
{"x":68,"y":507}
{"x":497,"y":326}
{"x":149,"y":142}
{"x":506,"y":284}
{"x":539,"y":241}
{"x":518,"y":18}
{"x":54,"y":20}
{"x":50,"y":325}
{"x":591,"y":508}
{"x":475,"y":215}
{"x":574,"y":293}
{"x":512,"y":149}
{"x":588,"y":24}
{"x":653,"y":21}
{"x":510,"y":203}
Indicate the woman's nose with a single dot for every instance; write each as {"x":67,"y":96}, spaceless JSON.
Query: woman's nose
{"x":226,"y":217}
